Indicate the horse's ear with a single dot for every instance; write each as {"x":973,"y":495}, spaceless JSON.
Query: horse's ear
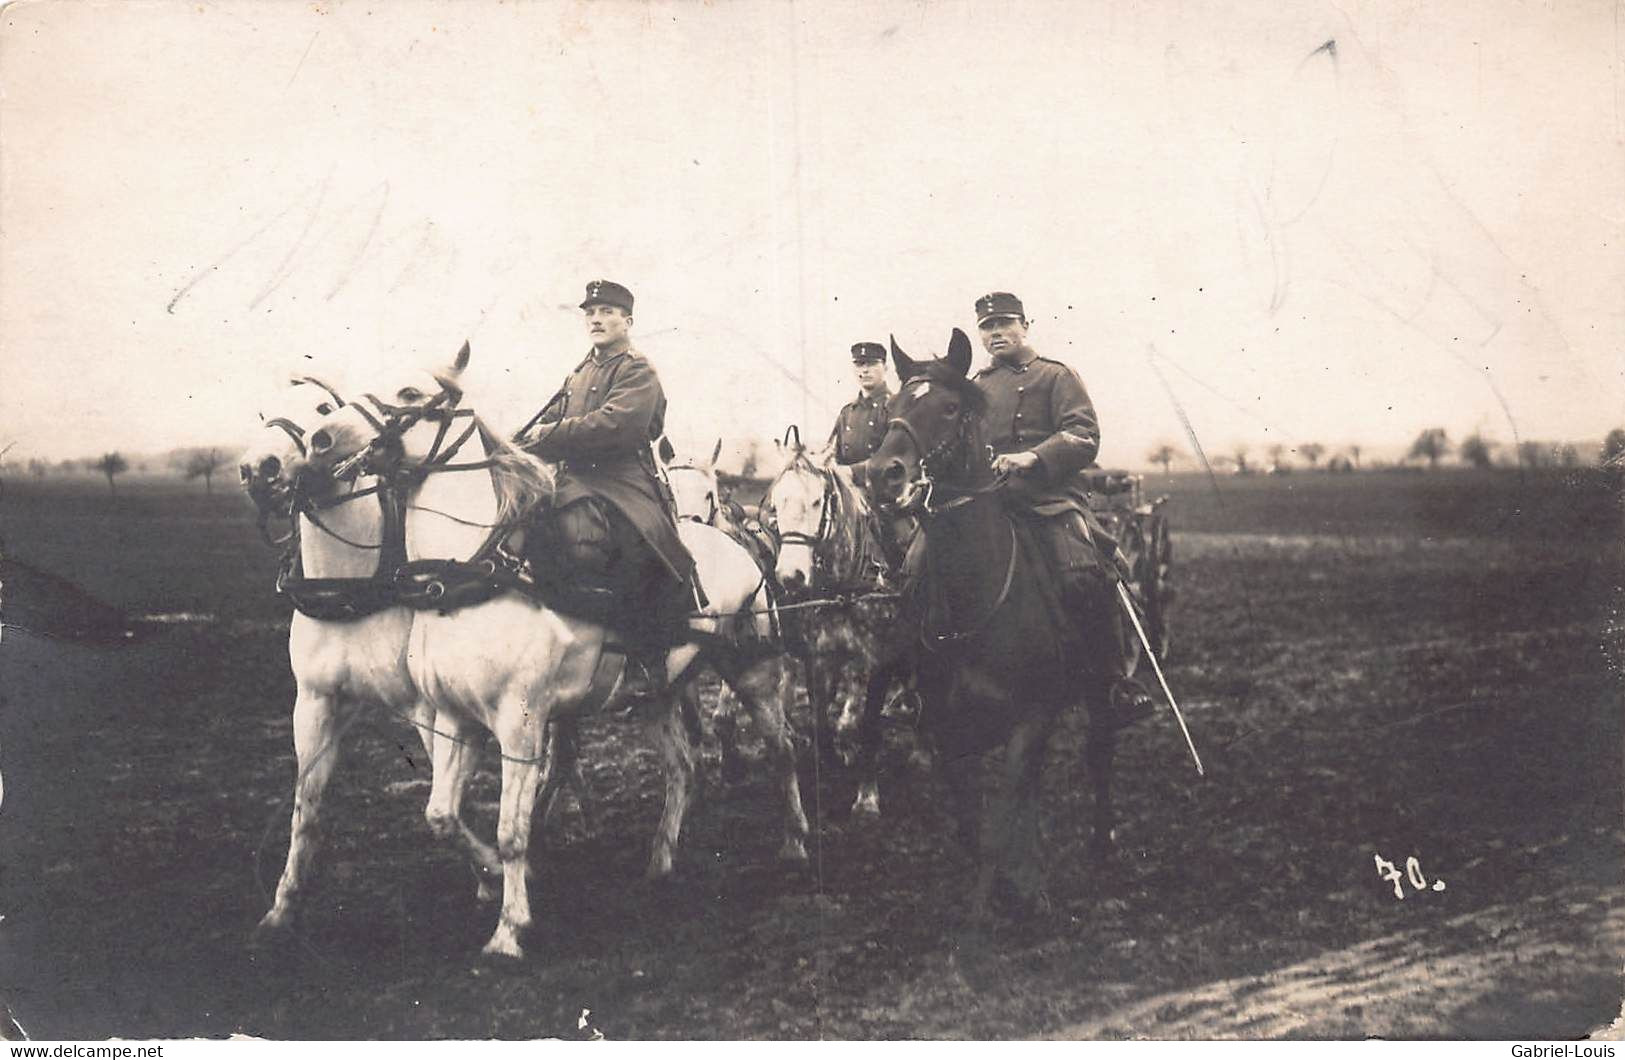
{"x":906,"y":365}
{"x":462,"y":358}
{"x":664,"y":448}
{"x":959,"y":352}
{"x":716,"y":451}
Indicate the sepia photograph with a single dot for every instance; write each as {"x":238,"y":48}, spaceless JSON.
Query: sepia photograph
{"x":780,"y":520}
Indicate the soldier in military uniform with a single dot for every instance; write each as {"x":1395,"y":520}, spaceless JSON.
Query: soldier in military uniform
{"x":1044,"y":432}
{"x":859,"y":427}
{"x":612,"y":521}
{"x":861,"y":423}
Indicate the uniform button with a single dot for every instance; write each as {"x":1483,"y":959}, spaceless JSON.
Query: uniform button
{"x":1019,"y":389}
{"x":1018,"y":415}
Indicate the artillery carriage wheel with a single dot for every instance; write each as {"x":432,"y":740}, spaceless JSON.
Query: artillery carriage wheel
{"x":1141,"y":530}
{"x":1152,"y":576}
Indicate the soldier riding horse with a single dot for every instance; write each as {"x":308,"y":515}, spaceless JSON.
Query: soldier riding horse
{"x":1001,"y":662}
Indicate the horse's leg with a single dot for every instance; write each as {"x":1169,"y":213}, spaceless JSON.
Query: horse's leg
{"x":961,"y":773}
{"x":817,"y":676}
{"x":1023,"y":754}
{"x":318,"y":722}
{"x":764,"y":689}
{"x":562,"y":766}
{"x":1024,"y":764}
{"x":670,"y":733}
{"x":521,"y":732}
{"x":863,"y":734}
{"x":1100,"y":748}
{"x":726,"y":723}
{"x":455,"y":750}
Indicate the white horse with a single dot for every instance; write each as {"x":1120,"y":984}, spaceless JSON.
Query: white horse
{"x":697,"y":497}
{"x":831,"y":562}
{"x":508,"y":664}
{"x":354,"y":659}
{"x":339,"y":665}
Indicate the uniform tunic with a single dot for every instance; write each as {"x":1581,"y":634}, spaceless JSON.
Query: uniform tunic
{"x":860,"y":426}
{"x":612,"y":407}
{"x":1042,"y":406}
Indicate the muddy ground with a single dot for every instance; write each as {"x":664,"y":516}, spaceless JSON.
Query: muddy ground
{"x":1399,"y":693}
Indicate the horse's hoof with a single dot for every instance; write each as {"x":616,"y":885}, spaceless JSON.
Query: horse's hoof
{"x":793,"y":852}
{"x":867,"y":804}
{"x":274,"y":929}
{"x":503,"y":950}
{"x":273,"y":941}
{"x":506,"y":959}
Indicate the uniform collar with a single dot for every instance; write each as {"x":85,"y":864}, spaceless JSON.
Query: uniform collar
{"x":865,"y":398}
{"x":999,"y":362}
{"x":594,"y":357}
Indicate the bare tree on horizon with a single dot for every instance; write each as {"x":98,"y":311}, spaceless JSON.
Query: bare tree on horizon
{"x":1165,"y":455}
{"x":203,"y":463}
{"x":1312,"y":452}
{"x":1477,"y":450}
{"x":1432,"y":444}
{"x":111,"y":464}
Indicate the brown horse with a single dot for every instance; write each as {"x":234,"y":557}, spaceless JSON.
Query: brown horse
{"x":996,"y":670}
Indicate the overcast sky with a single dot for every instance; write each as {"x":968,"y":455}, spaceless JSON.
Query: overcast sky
{"x":1299,"y":221}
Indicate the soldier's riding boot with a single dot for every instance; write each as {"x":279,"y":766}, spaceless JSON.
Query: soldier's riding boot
{"x":1130,"y":700}
{"x":658,"y":621}
{"x":1089,"y":590}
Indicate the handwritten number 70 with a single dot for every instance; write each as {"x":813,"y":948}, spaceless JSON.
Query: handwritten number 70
{"x":1413,"y":873}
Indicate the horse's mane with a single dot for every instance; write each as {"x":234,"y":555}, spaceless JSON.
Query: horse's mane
{"x":523,"y":482}
{"x":851,"y":496}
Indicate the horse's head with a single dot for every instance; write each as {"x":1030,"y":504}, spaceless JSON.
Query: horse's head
{"x":403,"y":420}
{"x":797,"y":506}
{"x":694,"y":486}
{"x":932,"y":436}
{"x":269,"y":468}
{"x":414,"y":425}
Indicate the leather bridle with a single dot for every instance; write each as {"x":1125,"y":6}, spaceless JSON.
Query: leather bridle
{"x":710,"y":494}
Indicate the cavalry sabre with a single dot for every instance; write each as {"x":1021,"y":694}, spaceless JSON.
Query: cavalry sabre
{"x":1122,"y":594}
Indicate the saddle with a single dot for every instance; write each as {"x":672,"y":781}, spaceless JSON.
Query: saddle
{"x":922,"y":597}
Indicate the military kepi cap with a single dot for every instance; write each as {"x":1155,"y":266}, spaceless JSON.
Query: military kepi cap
{"x":607,"y":292}
{"x":998,"y":304}
{"x":867,"y":352}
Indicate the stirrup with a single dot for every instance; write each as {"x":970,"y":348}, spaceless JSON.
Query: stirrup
{"x":1130,"y":702}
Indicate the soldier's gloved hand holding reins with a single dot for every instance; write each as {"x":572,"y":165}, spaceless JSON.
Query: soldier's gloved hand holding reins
{"x":1008,"y":463}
